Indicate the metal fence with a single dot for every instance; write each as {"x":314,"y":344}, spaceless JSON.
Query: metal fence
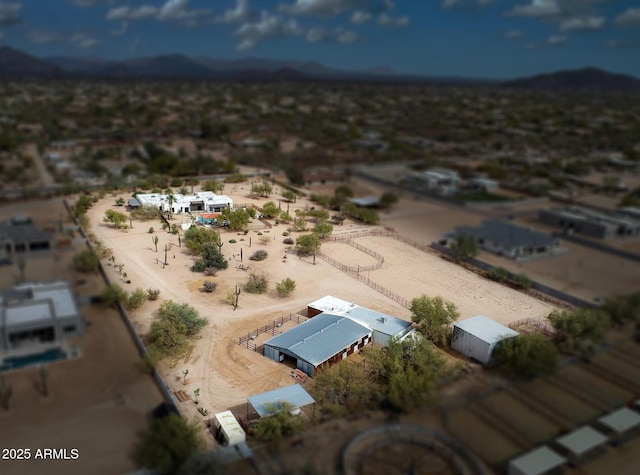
{"x":272,"y":328}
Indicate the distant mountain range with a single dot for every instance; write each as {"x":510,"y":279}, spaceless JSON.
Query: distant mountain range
{"x":578,"y":80}
{"x":18,"y":64}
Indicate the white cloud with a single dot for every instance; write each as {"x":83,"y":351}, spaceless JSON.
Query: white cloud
{"x":43,"y":36}
{"x":128,"y":13}
{"x":592,"y":23}
{"x":536,"y":9}
{"x":386,"y":20}
{"x":124,"y":27}
{"x":513,"y":34}
{"x":10,"y":13}
{"x":179,"y":10}
{"x":630,"y":17}
{"x":241,"y":13}
{"x":358,"y":17}
{"x":90,"y":3}
{"x":323,"y":7}
{"x":348,"y":37}
{"x":557,"y":40}
{"x":83,"y":41}
{"x":267,"y":27}
{"x":314,"y":35}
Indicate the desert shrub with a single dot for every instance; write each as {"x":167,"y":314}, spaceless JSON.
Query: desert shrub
{"x":152,"y":294}
{"x":151,"y":230}
{"x":114,"y":294}
{"x":285,"y":287}
{"x":232,"y":241}
{"x":209,"y":286}
{"x":522,"y":281}
{"x":136,"y":299}
{"x":210,"y":271}
{"x":288,"y":241}
{"x":499,"y":274}
{"x":86,"y":261}
{"x":145,"y":213}
{"x":257,"y":284}
{"x":260,"y":255}
{"x":285,"y":234}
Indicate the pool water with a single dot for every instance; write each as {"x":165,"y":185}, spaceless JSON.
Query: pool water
{"x":48,"y":356}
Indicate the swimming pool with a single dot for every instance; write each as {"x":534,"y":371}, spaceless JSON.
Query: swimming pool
{"x":48,"y":356}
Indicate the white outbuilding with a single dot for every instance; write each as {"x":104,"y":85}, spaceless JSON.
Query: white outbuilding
{"x":539,"y":461}
{"x":477,"y":337}
{"x":228,"y":430}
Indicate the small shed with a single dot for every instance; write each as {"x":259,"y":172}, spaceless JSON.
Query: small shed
{"x":227,"y":429}
{"x":294,"y":395}
{"x":539,"y":461}
{"x":477,"y":337}
{"x":581,"y":443}
{"x":622,"y":424}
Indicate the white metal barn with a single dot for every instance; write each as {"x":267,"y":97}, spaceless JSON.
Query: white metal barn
{"x":477,"y":337}
{"x":228,"y":429}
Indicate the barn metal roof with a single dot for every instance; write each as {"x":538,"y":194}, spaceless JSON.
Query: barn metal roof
{"x":538,"y":461}
{"x":320,"y":338}
{"x":377,"y":321}
{"x":508,"y":235}
{"x":620,"y":420}
{"x":294,"y":395}
{"x":486,"y":329}
{"x":582,"y":440}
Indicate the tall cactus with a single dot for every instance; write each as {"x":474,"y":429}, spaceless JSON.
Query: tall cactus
{"x":155,"y":240}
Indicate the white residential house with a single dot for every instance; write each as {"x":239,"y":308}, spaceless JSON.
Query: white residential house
{"x":441,"y":181}
{"x":201,"y":201}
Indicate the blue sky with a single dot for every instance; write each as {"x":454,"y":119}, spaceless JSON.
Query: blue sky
{"x":472,"y":38}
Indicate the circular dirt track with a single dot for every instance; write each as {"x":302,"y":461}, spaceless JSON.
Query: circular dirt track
{"x":407,"y":449}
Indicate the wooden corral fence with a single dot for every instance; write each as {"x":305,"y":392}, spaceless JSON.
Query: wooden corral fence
{"x":533,"y":325}
{"x":273,"y":328}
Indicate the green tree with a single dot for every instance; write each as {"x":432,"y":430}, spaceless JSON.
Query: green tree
{"x":322,"y":229}
{"x":168,"y":443}
{"x":86,"y":261}
{"x":210,"y":257}
{"x":345,"y":389}
{"x":465,"y":246}
{"x":278,"y":424}
{"x":238,"y":218}
{"x":527,"y":355}
{"x":308,"y":244}
{"x":270,"y":210}
{"x":117,"y":218}
{"x":169,"y":337}
{"x":434,"y":317}
{"x":196,"y":238}
{"x":183,"y":314}
{"x":522,"y":280}
{"x":388,"y":199}
{"x":299,"y":224}
{"x":285,"y":287}
{"x":289,"y":195}
{"x":136,"y":299}
{"x":83,"y":204}
{"x":581,"y":329}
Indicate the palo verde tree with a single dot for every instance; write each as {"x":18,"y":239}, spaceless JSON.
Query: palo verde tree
{"x":195,"y":238}
{"x":527,"y":355}
{"x":210,"y":257}
{"x":322,"y":229}
{"x":465,"y":246}
{"x":434,"y":317}
{"x":581,"y":329}
{"x":270,"y":210}
{"x":285,"y":287}
{"x":116,"y":218}
{"x":308,"y":244}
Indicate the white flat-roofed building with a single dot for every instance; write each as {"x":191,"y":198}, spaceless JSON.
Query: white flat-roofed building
{"x":200,"y":201}
{"x":477,"y":337}
{"x":33,"y":315}
{"x":539,"y":461}
{"x":582,"y":442}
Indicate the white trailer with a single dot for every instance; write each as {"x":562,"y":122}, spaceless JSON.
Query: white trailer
{"x":228,"y":430}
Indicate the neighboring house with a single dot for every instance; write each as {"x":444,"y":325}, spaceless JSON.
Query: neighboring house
{"x":441,"y":181}
{"x":508,"y":239}
{"x":206,"y":201}
{"x":577,"y":219}
{"x":366,"y":201}
{"x":21,"y":236}
{"x":477,"y":337}
{"x":33,"y":316}
{"x":482,"y":184}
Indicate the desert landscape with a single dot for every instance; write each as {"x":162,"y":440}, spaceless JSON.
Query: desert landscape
{"x":227,"y":373}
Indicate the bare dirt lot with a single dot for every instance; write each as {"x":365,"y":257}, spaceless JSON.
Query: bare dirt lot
{"x":98,"y":402}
